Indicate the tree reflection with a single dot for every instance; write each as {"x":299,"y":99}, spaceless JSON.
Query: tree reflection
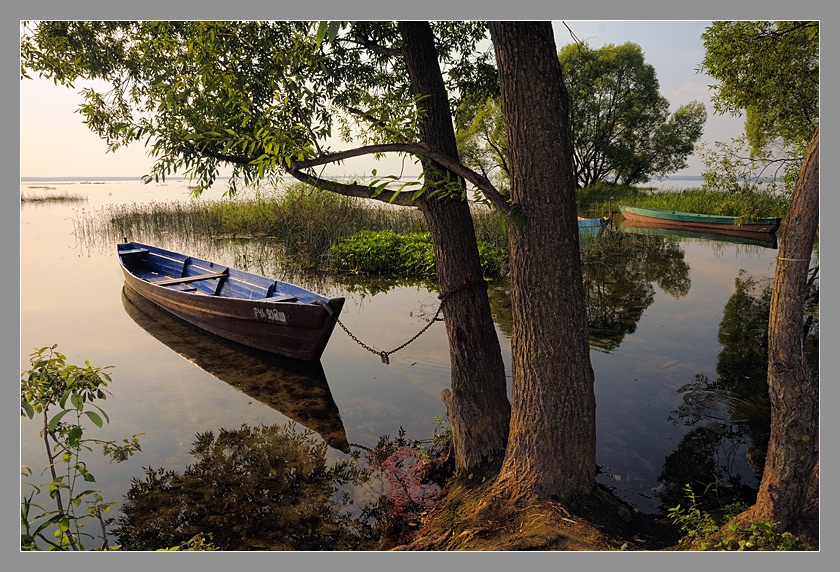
{"x":252,"y":488}
{"x":619,"y":271}
{"x":732,"y":413}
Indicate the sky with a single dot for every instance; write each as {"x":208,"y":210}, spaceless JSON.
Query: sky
{"x":55,"y":143}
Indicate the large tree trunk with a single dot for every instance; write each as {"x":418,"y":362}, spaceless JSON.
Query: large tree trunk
{"x":477,"y":405}
{"x":551,"y":445}
{"x":794,"y":395}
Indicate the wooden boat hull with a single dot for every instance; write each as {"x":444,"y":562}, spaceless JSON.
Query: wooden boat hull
{"x":297,"y":389}
{"x":698,"y":221}
{"x":249,"y":309}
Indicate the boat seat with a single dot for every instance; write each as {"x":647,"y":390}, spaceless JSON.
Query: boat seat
{"x":170,"y":281}
{"x":282,"y":299}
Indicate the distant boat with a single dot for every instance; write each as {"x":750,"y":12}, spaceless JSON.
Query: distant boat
{"x":250,"y":309}
{"x":698,"y":221}
{"x":587,"y":223}
{"x":663,"y":228}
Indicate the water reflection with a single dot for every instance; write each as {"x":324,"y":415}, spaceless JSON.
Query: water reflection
{"x":764,"y":239}
{"x":619,"y":271}
{"x":252,"y":488}
{"x":298,"y":390}
{"x":730,"y":416}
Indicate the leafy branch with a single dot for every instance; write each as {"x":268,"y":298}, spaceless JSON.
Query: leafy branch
{"x":48,"y":385}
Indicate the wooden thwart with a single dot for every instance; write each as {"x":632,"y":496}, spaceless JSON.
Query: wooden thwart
{"x":170,"y":281}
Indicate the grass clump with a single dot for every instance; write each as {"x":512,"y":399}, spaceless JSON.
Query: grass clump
{"x":411,"y":254}
{"x":50,"y":197}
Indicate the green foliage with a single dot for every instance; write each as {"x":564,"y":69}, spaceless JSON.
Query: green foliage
{"x":257,"y":97}
{"x":620,"y":122}
{"x":482,"y":144}
{"x":770,"y":71}
{"x":602,"y":198}
{"x":51,"y":384}
{"x":703,"y":531}
{"x":387,"y":252}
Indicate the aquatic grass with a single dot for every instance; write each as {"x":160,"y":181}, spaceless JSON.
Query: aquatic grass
{"x":307,"y":224}
{"x":603,"y":197}
{"x":48,"y":197}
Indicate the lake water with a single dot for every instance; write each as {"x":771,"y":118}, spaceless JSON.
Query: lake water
{"x":655,"y":312}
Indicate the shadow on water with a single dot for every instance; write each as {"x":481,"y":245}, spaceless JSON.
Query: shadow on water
{"x":297,"y":389}
{"x":764,"y":239}
{"x":723,"y":454}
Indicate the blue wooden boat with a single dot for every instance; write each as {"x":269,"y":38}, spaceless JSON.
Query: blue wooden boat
{"x":590,"y":223}
{"x":250,"y":309}
{"x":297,"y":389}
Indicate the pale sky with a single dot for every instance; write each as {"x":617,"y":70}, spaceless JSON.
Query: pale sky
{"x":55,"y":143}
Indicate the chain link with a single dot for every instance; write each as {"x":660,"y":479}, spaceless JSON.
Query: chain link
{"x":383,"y":354}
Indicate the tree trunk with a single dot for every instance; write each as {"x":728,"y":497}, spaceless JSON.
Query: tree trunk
{"x":794,"y":395}
{"x":477,"y":405}
{"x":551,"y":445}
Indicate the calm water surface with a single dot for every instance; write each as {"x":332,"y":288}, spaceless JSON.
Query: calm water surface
{"x":654,"y":319}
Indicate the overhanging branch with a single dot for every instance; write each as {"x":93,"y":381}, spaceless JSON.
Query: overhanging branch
{"x":404,"y":198}
{"x":295,"y":169}
{"x":421,"y":149}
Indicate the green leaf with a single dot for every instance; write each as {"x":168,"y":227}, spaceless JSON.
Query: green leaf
{"x":95,"y":418}
{"x":27,"y":409}
{"x":322,"y":31}
{"x":332,"y":31}
{"x":56,"y":420}
{"x":77,"y":401}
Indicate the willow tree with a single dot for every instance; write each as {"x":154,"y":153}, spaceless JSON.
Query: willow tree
{"x":621,"y":128}
{"x":620,"y":122}
{"x":551,"y":448}
{"x":770,"y":71}
{"x":265,"y":99}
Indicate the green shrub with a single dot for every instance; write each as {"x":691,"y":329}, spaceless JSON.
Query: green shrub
{"x":408,"y":255}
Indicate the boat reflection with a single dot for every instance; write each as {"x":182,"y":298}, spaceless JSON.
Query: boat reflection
{"x":765,"y":239}
{"x":297,"y":389}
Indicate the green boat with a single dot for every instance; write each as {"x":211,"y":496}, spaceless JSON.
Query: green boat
{"x":698,"y":221}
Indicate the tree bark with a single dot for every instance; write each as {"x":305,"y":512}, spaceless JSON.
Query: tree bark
{"x":551,"y":445}
{"x":477,"y":403}
{"x":792,"y":453}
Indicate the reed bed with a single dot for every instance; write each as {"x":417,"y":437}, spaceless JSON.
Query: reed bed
{"x":605,"y":197}
{"x":45,"y":196}
{"x":319,"y":229}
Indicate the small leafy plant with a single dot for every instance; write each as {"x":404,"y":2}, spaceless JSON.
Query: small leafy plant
{"x":703,"y":531}
{"x":63,"y":396}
